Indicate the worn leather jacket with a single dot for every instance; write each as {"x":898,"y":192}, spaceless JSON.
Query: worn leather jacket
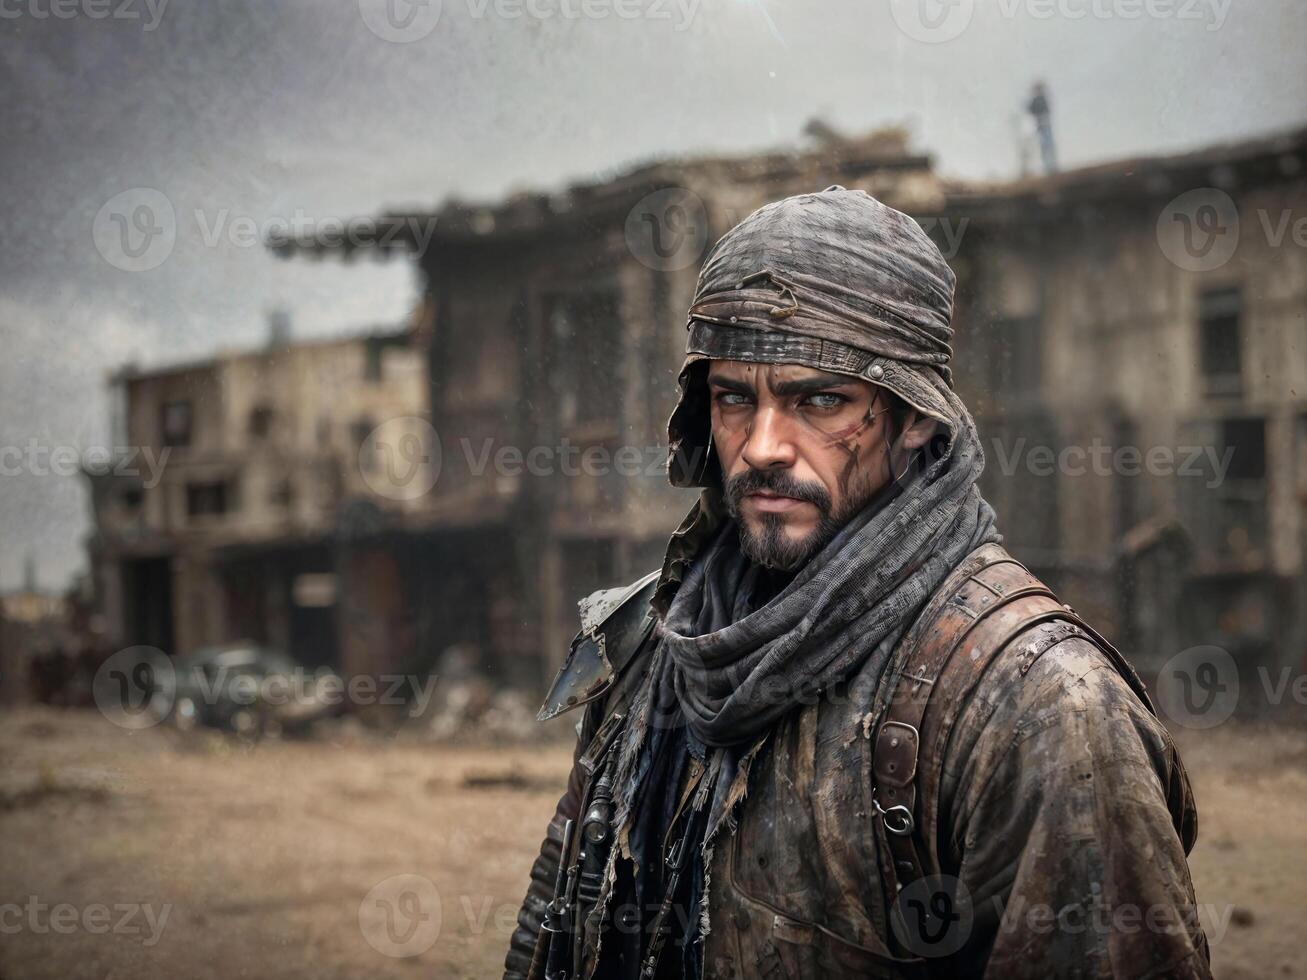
{"x":1053,"y":806}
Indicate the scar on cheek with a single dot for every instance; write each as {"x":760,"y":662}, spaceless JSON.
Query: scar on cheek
{"x":848,"y":432}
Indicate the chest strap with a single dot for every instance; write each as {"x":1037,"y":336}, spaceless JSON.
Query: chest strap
{"x":989,"y":600}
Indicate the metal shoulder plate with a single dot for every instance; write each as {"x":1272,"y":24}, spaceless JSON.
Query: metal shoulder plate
{"x":614,"y":624}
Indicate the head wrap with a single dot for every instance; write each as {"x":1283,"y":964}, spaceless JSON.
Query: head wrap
{"x":836,"y":281}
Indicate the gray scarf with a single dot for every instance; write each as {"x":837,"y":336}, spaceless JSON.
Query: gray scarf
{"x":736,"y":678}
{"x":730,"y":671}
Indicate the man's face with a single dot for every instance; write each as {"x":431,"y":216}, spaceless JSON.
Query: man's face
{"x":801,"y":450}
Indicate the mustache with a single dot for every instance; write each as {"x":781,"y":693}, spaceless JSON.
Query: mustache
{"x":775,"y":481}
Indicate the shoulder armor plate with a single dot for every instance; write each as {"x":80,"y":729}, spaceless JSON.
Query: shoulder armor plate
{"x":614,"y":623}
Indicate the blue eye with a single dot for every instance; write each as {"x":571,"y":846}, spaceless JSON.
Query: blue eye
{"x":732,"y":399}
{"x":826,"y":399}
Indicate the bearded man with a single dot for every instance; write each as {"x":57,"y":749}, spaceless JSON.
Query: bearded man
{"x":842,"y":733}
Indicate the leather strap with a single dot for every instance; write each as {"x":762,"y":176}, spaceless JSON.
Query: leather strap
{"x":997,"y":584}
{"x":987,"y":602}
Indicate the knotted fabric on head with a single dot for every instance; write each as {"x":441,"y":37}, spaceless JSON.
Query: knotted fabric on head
{"x":836,"y":281}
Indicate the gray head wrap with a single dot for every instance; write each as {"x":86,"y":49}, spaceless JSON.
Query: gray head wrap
{"x":836,"y":281}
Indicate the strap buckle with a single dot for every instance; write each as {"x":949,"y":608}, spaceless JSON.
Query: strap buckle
{"x":898,"y":819}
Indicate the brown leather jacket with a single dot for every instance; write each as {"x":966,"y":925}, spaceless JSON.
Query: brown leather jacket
{"x":1049,"y":806}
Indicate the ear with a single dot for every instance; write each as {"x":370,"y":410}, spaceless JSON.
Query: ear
{"x":918,"y":431}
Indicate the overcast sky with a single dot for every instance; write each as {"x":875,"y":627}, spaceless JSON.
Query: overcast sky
{"x":243,"y":114}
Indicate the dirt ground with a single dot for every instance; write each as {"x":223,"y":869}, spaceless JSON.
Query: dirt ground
{"x":158,"y":854}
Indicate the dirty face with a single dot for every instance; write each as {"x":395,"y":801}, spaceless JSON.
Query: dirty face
{"x":801,"y":451}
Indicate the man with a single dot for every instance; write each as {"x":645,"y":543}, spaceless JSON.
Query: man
{"x":842,"y":732}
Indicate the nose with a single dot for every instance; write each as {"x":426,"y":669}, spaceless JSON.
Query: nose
{"x":768,"y":445}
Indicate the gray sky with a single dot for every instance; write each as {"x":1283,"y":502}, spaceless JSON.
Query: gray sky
{"x":243,"y":113}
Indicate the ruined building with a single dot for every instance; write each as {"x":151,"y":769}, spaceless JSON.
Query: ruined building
{"x":1108,"y":326}
{"x":252,"y":476}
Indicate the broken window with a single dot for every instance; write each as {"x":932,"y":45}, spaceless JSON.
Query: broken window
{"x":283,"y":494}
{"x":260,"y":422}
{"x":1219,"y":341}
{"x":209,"y":499}
{"x":175,"y":423}
{"x":585,"y":338}
{"x":360,"y":431}
{"x":1223,"y":488}
{"x":1012,"y":357}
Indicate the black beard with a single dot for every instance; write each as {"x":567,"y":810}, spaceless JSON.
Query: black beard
{"x":768,"y":545}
